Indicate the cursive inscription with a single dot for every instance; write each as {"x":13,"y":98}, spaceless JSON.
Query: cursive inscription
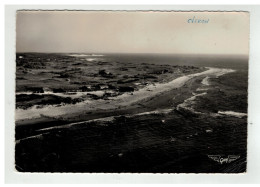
{"x":197,"y":20}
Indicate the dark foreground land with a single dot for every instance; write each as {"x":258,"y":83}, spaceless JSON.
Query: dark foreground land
{"x":167,"y":141}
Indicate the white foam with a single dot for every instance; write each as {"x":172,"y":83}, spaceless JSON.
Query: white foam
{"x":201,"y":89}
{"x":39,"y":136}
{"x":90,"y":59}
{"x":85,"y":55}
{"x":205,"y":81}
{"x":225,"y":71}
{"x":116,"y":102}
{"x":232,"y":113}
{"x":108,"y":119}
{"x":69,"y":94}
{"x":164,"y":111}
{"x":187,"y":104}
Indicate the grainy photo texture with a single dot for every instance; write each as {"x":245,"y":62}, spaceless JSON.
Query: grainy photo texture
{"x":131,"y":91}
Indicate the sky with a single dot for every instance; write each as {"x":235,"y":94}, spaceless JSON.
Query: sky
{"x":132,"y":32}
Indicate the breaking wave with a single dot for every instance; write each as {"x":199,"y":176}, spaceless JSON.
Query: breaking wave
{"x":232,"y":113}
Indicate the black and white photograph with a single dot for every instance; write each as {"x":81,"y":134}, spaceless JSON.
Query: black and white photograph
{"x":131,"y":91}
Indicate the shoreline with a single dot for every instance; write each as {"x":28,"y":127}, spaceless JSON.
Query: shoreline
{"x":118,"y":103}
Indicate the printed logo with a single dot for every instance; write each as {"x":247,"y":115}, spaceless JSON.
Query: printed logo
{"x":220,"y":159}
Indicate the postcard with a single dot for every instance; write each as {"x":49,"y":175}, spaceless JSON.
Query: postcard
{"x":131,"y":91}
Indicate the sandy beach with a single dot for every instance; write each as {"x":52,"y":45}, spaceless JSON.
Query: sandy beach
{"x":119,"y":102}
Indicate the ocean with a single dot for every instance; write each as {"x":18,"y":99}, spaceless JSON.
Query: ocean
{"x":190,"y":129}
{"x":221,"y":61}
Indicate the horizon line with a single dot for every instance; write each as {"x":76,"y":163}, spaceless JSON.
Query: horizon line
{"x":216,"y":54}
